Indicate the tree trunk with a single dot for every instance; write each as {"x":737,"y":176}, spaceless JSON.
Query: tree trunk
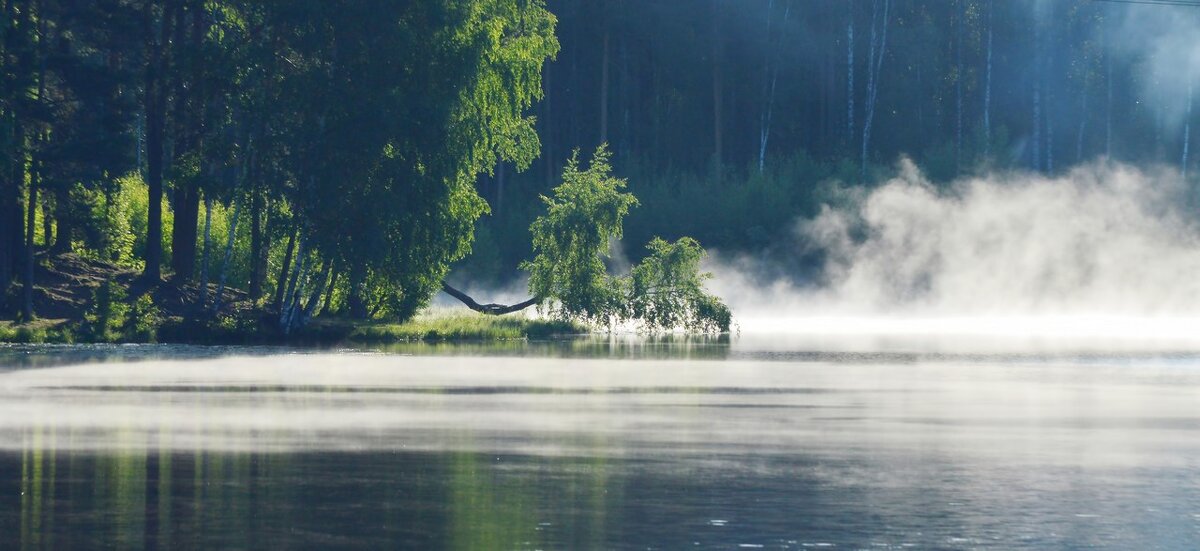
{"x":183,"y":232}
{"x":11,"y":213}
{"x":30,"y":247}
{"x":35,"y":180}
{"x":10,"y":223}
{"x":604,"y":62}
{"x":256,"y":245}
{"x":66,"y":220}
{"x":281,"y":281}
{"x":548,"y":135}
{"x":987,"y":88}
{"x":490,"y":309}
{"x":874,"y":65}
{"x":716,"y":87}
{"x":354,"y":301}
{"x":499,"y":186}
{"x":958,"y":82}
{"x":314,"y":298}
{"x":237,"y":209}
{"x":1187,"y":133}
{"x":850,"y":74}
{"x":1083,"y":119}
{"x":771,"y":78}
{"x":288,"y":314}
{"x":1047,"y":97}
{"x":207,"y":249}
{"x":47,"y":221}
{"x":1036,"y":142}
{"x":329,"y":290}
{"x":1108,"y":108}
{"x":155,"y":105}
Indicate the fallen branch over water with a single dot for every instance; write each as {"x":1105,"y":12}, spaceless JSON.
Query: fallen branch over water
{"x":490,"y":309}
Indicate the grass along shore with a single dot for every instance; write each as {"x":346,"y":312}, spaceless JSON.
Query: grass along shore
{"x":439,"y":327}
{"x":82,"y":300}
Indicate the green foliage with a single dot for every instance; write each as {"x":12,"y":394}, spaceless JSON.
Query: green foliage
{"x":119,"y":218}
{"x":584,"y":216}
{"x":112,"y":318}
{"x":463,"y":328}
{"x":383,"y":150}
{"x":143,"y":320}
{"x":571,"y":240}
{"x":106,"y":316}
{"x":667,"y":290}
{"x":59,"y":333}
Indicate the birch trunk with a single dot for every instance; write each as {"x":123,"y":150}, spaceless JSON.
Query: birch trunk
{"x":772,"y":79}
{"x":1109,"y":105}
{"x":1082,"y":127}
{"x":285,"y":314}
{"x":850,"y":75}
{"x":1187,"y":132}
{"x":1036,"y":144}
{"x":285,"y":269}
{"x":237,"y":210}
{"x":717,"y":88}
{"x":875,"y":64}
{"x":987,"y":88}
{"x":958,"y":79}
{"x":207,"y":249}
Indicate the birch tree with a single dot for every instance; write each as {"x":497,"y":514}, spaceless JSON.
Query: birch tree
{"x":879,"y":27}
{"x":770,"y":80}
{"x":987,"y":87}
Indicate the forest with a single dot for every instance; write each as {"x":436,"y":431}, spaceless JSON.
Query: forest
{"x":350,"y":158}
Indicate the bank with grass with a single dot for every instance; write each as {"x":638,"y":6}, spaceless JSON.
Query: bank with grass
{"x":92,"y":301}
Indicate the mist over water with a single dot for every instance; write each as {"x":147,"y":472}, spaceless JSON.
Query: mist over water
{"x":1106,"y":249}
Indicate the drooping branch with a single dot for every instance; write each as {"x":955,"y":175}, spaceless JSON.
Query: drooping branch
{"x":490,"y":309}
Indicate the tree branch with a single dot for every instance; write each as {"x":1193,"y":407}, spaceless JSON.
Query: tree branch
{"x":490,"y":309}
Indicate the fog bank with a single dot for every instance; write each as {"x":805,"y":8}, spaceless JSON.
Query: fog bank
{"x":1105,"y":241}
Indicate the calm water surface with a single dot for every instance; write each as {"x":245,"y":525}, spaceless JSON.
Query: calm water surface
{"x":771,"y":442}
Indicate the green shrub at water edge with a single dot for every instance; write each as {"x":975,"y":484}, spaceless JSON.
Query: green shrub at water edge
{"x":143,"y":320}
{"x":106,"y":314}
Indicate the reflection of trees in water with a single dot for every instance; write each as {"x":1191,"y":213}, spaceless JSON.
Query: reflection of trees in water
{"x":145,"y":498}
{"x":671,"y":346}
{"x":645,"y":347}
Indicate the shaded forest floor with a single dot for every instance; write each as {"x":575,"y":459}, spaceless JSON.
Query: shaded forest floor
{"x":68,"y":287}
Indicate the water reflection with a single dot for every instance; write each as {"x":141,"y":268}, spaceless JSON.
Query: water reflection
{"x":373,"y":450}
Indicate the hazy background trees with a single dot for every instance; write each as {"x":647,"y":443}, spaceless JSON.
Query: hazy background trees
{"x":336,"y":155}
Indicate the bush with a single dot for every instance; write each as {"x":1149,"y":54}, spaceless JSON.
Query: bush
{"x":106,"y":315}
{"x":143,"y":320}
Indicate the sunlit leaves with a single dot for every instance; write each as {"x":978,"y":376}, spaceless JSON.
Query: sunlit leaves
{"x":665,"y":291}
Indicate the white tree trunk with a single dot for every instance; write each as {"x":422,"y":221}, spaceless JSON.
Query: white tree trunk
{"x":1035,"y":150}
{"x":987,"y":89}
{"x":237,"y":210}
{"x":958,"y":79}
{"x":766,"y":109}
{"x":1082,"y":127}
{"x":207,"y":248}
{"x":850,"y":74}
{"x":1109,"y":106}
{"x":772,"y":78}
{"x":1187,"y":132}
{"x":874,"y":66}
{"x":286,"y":311}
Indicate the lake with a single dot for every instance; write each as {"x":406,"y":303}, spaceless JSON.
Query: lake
{"x":773,"y":442}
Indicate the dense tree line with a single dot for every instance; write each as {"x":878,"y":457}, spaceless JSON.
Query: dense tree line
{"x":337,"y":154}
{"x":727,"y":115}
{"x":351,"y":130}
{"x":683,"y":83}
